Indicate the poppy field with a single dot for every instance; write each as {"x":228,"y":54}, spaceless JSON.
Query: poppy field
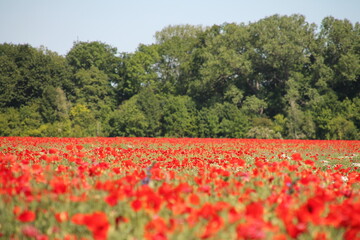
{"x":163,"y":188}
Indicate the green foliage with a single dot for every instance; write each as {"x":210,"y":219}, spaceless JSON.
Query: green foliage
{"x":341,"y":54}
{"x":93,"y":89}
{"x":262,"y":133}
{"x":220,"y":63}
{"x":263,"y":128}
{"x":54,"y":105}
{"x":234,"y":95}
{"x":151,"y":105}
{"x":223,"y":120}
{"x":9,"y":77}
{"x":279,"y":125}
{"x":174,"y":45}
{"x":25,"y":72}
{"x":128,"y":120}
{"x":84,"y":55}
{"x":254,"y":106}
{"x":179,"y":116}
{"x":83,"y":121}
{"x":279,"y":77}
{"x":340,"y":128}
{"x":10,"y":122}
{"x":138,"y":71}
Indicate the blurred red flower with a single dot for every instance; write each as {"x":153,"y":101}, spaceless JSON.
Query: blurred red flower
{"x":26,"y":216}
{"x":96,"y":222}
{"x":61,"y":216}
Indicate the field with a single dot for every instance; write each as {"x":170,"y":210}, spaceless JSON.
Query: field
{"x":158,"y":188}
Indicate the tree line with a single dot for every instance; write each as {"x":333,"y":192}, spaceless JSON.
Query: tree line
{"x":279,"y":77}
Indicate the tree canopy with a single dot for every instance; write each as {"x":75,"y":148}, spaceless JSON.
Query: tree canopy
{"x":279,"y":77}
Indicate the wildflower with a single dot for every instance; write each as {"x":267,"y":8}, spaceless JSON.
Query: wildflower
{"x":252,"y":229}
{"x":96,"y":222}
{"x":136,"y":205}
{"x":53,"y":150}
{"x":194,"y":199}
{"x":296,"y":157}
{"x":61,"y":216}
{"x":30,"y":231}
{"x":27,"y":216}
{"x":255,"y":210}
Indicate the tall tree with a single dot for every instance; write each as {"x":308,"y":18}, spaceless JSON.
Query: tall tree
{"x":340,"y":41}
{"x":128,"y":120}
{"x":151,"y":105}
{"x":93,"y":89}
{"x":219,"y":63}
{"x":54,"y":105}
{"x":280,"y":45}
{"x":95,"y":58}
{"x":176,"y":43}
{"x":179,"y":116}
{"x":26,"y":72}
{"x":138,"y":70}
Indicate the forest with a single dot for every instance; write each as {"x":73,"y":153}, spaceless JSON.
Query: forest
{"x":279,"y":77}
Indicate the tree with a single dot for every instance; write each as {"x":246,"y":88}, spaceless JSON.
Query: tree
{"x":234,"y":95}
{"x":341,"y":129}
{"x":175,"y":44}
{"x":9,"y":77}
{"x":279,"y":125}
{"x":138,"y":70}
{"x":30,"y":119}
{"x":279,"y":77}
{"x":219,"y":63}
{"x":280,"y":45}
{"x":262,"y":127}
{"x":208,"y":123}
{"x":26,"y":72}
{"x":233,"y":123}
{"x":151,"y":105}
{"x":95,"y":68}
{"x":128,"y":120}
{"x":83,"y":121}
{"x":223,"y":120}
{"x":84,"y":55}
{"x":349,"y":110}
{"x":323,"y":108}
{"x":54,"y":105}
{"x":179,"y":116}
{"x":10,"y":122}
{"x":262,"y":132}
{"x":300,"y":124}
{"x":93,"y":89}
{"x":254,"y":106}
{"x":340,"y":41}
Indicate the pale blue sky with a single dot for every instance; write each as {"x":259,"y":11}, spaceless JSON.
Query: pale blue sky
{"x":124,"y":24}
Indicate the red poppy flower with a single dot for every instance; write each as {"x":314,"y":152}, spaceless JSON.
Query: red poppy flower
{"x":30,"y":231}
{"x":255,"y":210}
{"x":111,"y":199}
{"x":296,"y":157}
{"x":194,"y":199}
{"x":136,"y":205}
{"x":96,"y":222}
{"x":156,"y":229}
{"x":78,"y":218}
{"x":251,"y":230}
{"x":53,"y":150}
{"x":61,"y":216}
{"x":16,"y":210}
{"x":26,"y":216}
